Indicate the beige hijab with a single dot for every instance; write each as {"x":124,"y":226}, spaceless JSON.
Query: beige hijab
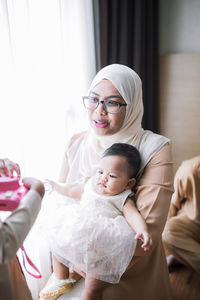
{"x":129,"y":85}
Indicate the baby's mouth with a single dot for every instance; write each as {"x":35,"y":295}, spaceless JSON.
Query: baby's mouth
{"x":101,"y":184}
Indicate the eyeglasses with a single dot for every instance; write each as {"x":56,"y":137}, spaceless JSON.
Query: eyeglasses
{"x":110,"y":106}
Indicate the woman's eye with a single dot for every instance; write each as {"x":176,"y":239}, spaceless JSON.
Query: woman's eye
{"x":112,"y":103}
{"x":93,"y":100}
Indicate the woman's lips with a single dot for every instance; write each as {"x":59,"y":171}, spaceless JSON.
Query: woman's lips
{"x":100,"y":123}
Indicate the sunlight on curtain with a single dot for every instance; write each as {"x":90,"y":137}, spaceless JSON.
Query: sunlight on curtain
{"x":46,"y":64}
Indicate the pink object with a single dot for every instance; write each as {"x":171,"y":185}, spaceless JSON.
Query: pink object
{"x":100,"y":124}
{"x":11,"y":192}
{"x":26,"y":258}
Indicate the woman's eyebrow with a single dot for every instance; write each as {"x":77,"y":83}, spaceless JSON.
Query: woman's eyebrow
{"x":111,"y":96}
{"x":114,"y":96}
{"x":94,"y":93}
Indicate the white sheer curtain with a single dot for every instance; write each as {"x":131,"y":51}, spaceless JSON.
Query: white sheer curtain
{"x":46,"y":63}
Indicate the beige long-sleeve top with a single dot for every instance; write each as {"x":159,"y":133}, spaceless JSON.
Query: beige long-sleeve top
{"x":186,"y":197}
{"x":148,"y":278}
{"x":13,"y":231}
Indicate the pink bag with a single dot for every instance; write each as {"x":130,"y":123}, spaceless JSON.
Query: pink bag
{"x":11,"y":192}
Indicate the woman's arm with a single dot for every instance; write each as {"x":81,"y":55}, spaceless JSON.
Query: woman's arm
{"x":70,"y":190}
{"x":153,"y":195}
{"x":65,"y":163}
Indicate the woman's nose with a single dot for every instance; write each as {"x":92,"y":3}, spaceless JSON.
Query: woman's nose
{"x":100,"y":109}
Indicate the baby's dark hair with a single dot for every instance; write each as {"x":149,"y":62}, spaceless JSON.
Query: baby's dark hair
{"x":127,"y":151}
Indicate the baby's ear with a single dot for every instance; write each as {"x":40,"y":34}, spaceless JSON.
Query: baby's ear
{"x":131,"y":183}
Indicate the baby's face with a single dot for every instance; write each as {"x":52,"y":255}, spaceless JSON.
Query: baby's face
{"x":112,"y":175}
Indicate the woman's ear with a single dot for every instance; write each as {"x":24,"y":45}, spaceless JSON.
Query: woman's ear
{"x":131,"y":183}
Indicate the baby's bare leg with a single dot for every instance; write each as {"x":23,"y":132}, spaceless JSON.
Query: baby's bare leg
{"x":60,"y":270}
{"x":93,"y":289}
{"x":74,"y":275}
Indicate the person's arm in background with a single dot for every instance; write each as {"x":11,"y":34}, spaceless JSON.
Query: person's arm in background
{"x":15,"y":228}
{"x":153,"y":196}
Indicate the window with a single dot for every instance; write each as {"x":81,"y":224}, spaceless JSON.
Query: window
{"x":47,"y":62}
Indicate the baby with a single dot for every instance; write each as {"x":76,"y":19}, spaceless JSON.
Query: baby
{"x":98,"y":236}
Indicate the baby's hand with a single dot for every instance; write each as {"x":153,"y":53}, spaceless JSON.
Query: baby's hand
{"x":49,"y":185}
{"x":145,"y":237}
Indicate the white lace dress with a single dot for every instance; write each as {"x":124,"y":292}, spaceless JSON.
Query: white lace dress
{"x":94,"y":235}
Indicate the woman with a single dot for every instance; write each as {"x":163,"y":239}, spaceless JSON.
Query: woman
{"x":115,"y":111}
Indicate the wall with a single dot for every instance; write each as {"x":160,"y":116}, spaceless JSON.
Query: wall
{"x":179,"y":26}
{"x":179,"y":95}
{"x":180,"y":104}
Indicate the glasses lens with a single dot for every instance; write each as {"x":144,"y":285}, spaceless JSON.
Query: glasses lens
{"x":112,"y":107}
{"x":90,"y":102}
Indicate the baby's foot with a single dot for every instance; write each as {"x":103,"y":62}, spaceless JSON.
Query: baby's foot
{"x":56,"y":287}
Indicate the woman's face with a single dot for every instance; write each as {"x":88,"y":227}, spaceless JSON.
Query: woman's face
{"x":104,"y":123}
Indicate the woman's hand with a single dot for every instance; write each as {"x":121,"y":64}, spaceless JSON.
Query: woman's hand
{"x":145,"y":237}
{"x":34,"y":184}
{"x":8,"y":167}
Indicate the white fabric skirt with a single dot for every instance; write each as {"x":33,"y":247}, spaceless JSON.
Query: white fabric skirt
{"x":100,"y":246}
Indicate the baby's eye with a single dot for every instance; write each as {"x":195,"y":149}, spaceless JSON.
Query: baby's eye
{"x":100,"y":172}
{"x":113,"y":176}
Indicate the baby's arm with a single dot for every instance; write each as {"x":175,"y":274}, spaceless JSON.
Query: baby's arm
{"x":137,"y":223}
{"x":69,"y":190}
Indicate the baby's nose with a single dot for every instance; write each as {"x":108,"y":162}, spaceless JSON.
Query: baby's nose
{"x":105,"y":178}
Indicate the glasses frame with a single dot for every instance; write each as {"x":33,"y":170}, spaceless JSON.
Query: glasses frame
{"x":103,"y":103}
